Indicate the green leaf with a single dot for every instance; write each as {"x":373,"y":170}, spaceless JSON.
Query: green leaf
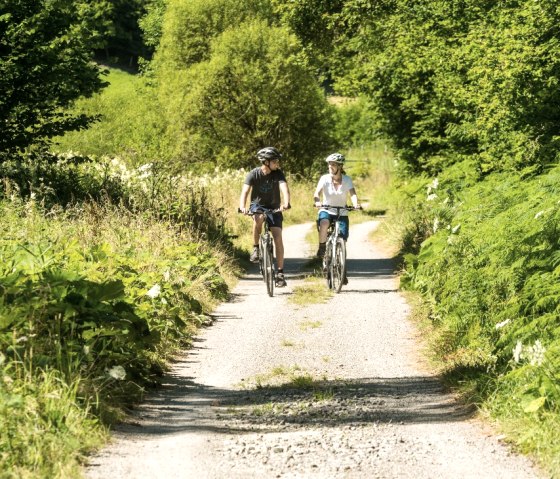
{"x":535,"y":404}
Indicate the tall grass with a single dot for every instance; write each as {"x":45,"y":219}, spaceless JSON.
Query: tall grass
{"x":46,"y":429}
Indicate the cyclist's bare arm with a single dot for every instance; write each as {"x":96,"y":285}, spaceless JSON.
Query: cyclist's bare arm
{"x":285,"y":196}
{"x":316,"y":197}
{"x":354,"y":198}
{"x":243,"y":198}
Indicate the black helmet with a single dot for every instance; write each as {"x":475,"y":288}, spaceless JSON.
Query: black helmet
{"x":269,"y":153}
{"x":336,"y":158}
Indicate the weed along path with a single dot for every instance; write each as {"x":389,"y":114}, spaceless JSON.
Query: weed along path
{"x":328,"y":390}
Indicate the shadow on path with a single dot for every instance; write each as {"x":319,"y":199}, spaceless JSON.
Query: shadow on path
{"x":406,"y":400}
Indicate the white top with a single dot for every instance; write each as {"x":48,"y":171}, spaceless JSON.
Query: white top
{"x":334,"y":196}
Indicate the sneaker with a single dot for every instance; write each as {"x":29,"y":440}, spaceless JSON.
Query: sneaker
{"x":345,"y":280}
{"x":280,"y":281}
{"x":321,"y":250}
{"x":254,"y":258}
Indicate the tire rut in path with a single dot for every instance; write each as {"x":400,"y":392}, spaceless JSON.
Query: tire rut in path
{"x":322,"y":391}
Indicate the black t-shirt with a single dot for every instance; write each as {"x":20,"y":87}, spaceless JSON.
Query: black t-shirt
{"x":265,"y":188}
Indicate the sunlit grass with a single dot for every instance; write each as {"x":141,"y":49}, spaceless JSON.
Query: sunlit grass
{"x":44,"y":430}
{"x":307,"y":325}
{"x":312,"y":291}
{"x":289,"y":377}
{"x":289,"y":343}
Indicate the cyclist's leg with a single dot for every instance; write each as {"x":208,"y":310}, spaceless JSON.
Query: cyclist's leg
{"x":344,"y":227}
{"x":323,"y":222}
{"x":278,"y":246}
{"x":258,"y":221}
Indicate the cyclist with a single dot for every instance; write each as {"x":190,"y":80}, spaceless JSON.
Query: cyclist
{"x":269,"y":189}
{"x":335,"y":187}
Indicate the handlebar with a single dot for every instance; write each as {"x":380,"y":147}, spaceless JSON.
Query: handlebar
{"x":339,"y":208}
{"x":261,"y":210}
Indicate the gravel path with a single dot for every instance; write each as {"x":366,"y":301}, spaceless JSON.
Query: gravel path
{"x":334,"y":390}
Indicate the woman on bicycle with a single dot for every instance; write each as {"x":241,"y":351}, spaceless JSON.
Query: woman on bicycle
{"x":335,"y":187}
{"x":269,"y":189}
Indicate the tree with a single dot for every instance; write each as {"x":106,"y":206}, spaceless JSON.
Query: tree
{"x":253,"y":91}
{"x":45,"y":64}
{"x":189,"y":27}
{"x":124,"y":42}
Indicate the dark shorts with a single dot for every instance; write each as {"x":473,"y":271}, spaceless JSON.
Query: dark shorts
{"x":274,"y":220}
{"x":343,"y":222}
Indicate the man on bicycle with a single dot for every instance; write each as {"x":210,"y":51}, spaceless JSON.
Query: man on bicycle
{"x":335,"y":186}
{"x":269,"y":189}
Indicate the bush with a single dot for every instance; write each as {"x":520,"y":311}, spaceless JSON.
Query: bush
{"x":252,"y":92}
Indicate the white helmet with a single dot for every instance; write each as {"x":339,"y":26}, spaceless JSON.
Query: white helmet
{"x":336,"y":158}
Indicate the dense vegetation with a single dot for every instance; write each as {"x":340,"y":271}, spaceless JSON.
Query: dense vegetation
{"x":106,"y":264}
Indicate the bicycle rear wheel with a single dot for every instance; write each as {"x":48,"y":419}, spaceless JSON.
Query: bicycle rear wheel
{"x":338,"y":265}
{"x":269,"y":270}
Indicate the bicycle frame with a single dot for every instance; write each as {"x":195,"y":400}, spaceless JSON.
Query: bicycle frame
{"x":334,"y":261}
{"x":266,"y":251}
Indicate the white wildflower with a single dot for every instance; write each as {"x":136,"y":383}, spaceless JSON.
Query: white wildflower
{"x":431,"y":197}
{"x":2,"y":358}
{"x":539,"y":214}
{"x":154,"y":291}
{"x":503,"y":323}
{"x":117,"y":372}
{"x":145,"y":167}
{"x":536,"y":353}
{"x":455,"y":229}
{"x":434,"y":184}
{"x":436,"y":224}
{"x":166,"y":275}
{"x":518,"y":352}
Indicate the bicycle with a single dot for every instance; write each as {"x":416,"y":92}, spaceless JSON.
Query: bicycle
{"x":266,"y":250}
{"x":334,"y":260}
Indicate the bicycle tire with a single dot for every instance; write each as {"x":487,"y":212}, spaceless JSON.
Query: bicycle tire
{"x":338,"y":265}
{"x":327,"y":261}
{"x":261,"y":258}
{"x":269,"y":270}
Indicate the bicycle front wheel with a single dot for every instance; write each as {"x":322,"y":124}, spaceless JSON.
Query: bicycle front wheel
{"x":338,"y":265}
{"x":327,"y":262}
{"x":269,"y":270}
{"x":262,"y":249}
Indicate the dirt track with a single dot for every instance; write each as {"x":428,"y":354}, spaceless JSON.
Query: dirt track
{"x":364,"y":408}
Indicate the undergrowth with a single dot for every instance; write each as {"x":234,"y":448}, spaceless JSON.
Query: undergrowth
{"x":486,"y":258}
{"x":95,"y":298}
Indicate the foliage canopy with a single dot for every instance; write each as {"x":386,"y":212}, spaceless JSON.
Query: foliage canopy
{"x":231,"y":89}
{"x":45,"y":52}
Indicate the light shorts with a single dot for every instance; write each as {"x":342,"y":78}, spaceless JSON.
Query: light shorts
{"x":343,"y":222}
